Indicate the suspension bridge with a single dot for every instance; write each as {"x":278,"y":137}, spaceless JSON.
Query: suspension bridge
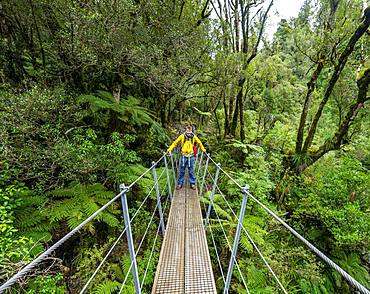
{"x":184,"y":264}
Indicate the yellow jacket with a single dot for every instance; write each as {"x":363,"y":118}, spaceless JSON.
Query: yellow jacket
{"x":187,"y":146}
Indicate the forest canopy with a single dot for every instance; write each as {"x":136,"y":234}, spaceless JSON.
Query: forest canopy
{"x":91,"y":92}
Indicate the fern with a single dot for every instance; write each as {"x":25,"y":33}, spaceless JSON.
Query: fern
{"x":126,"y":110}
{"x":80,"y":202}
{"x":107,"y":287}
{"x":31,"y":219}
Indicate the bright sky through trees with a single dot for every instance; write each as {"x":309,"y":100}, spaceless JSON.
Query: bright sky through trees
{"x":282,"y":9}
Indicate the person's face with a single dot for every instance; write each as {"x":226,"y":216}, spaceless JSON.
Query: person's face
{"x":188,"y":129}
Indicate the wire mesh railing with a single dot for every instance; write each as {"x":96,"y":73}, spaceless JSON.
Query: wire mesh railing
{"x":167,"y":170}
{"x":208,"y":186}
{"x":209,"y":183}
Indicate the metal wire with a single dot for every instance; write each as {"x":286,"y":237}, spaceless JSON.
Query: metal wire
{"x":147,"y":228}
{"x":228,"y":244}
{"x":253,"y":244}
{"x":137,"y":251}
{"x":148,"y":170}
{"x":120,"y":236}
{"x":215,"y":247}
{"x":152,"y":250}
{"x":146,"y":198}
{"x":332,"y":264}
{"x":230,"y":177}
{"x":124,"y":281}
{"x":47,"y":252}
{"x":102,"y":262}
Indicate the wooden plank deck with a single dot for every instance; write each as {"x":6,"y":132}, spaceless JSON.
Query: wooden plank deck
{"x":184,"y":264}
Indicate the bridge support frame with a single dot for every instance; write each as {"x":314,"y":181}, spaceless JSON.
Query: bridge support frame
{"x":130,"y":241}
{"x":173,"y":169}
{"x":168,"y":176}
{"x":179,"y":156}
{"x":200,"y":163}
{"x":204,"y":177}
{"x":245,"y":191}
{"x":159,"y":204}
{"x":196,"y":158}
{"x":212,"y":194}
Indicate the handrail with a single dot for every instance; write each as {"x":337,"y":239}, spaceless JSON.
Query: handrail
{"x":50,"y":250}
{"x":331,"y":263}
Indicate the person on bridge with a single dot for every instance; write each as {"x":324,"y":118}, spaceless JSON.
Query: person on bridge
{"x":187,"y":140}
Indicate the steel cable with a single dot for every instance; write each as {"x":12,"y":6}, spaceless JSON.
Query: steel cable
{"x":119,"y":237}
{"x":228,"y":244}
{"x":55,"y":246}
{"x":332,"y":264}
{"x":152,"y":250}
{"x":102,"y":262}
{"x":146,"y":197}
{"x":253,"y":243}
{"x":148,"y":170}
{"x":128,"y":272}
{"x":147,"y":228}
{"x":215,"y":247}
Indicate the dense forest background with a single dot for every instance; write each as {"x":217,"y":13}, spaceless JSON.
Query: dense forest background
{"x":92,"y":91}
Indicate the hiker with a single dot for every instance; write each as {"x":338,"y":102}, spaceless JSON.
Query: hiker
{"x":187,"y":139}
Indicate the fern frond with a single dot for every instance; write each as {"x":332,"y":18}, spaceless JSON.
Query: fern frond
{"x":107,"y":287}
{"x":61,"y":210}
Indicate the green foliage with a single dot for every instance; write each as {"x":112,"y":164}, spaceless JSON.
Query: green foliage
{"x":47,"y":285}
{"x":79,"y":202}
{"x":337,"y":196}
{"x":15,"y":249}
{"x":107,"y":287}
{"x":12,"y":247}
{"x":82,"y":88}
{"x":32,"y":221}
{"x":126,"y":110}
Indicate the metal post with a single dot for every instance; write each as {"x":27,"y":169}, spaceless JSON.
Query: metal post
{"x":173,"y":169}
{"x":200,"y":163}
{"x":158,"y":198}
{"x":130,"y":242}
{"x":196,"y":158}
{"x":204,"y":177}
{"x":168,"y":176}
{"x":211,"y":197}
{"x":179,"y":163}
{"x":245,"y":191}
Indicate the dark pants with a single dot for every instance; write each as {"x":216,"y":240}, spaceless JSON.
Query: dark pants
{"x":187,"y":162}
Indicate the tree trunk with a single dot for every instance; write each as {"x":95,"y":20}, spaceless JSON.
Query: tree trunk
{"x":310,"y":89}
{"x":241,"y":118}
{"x":238,"y":102}
{"x":236,"y":25}
{"x":337,"y":141}
{"x":226,"y":126}
{"x":362,"y":28}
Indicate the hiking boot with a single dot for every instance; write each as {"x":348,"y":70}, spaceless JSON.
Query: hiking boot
{"x":178,"y":187}
{"x":193,"y":187}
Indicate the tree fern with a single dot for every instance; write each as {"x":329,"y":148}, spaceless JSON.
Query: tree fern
{"x":126,"y":110}
{"x":80,"y":202}
{"x":31,"y":219}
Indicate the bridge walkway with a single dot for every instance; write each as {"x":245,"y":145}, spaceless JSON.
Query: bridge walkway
{"x":184,"y":263}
